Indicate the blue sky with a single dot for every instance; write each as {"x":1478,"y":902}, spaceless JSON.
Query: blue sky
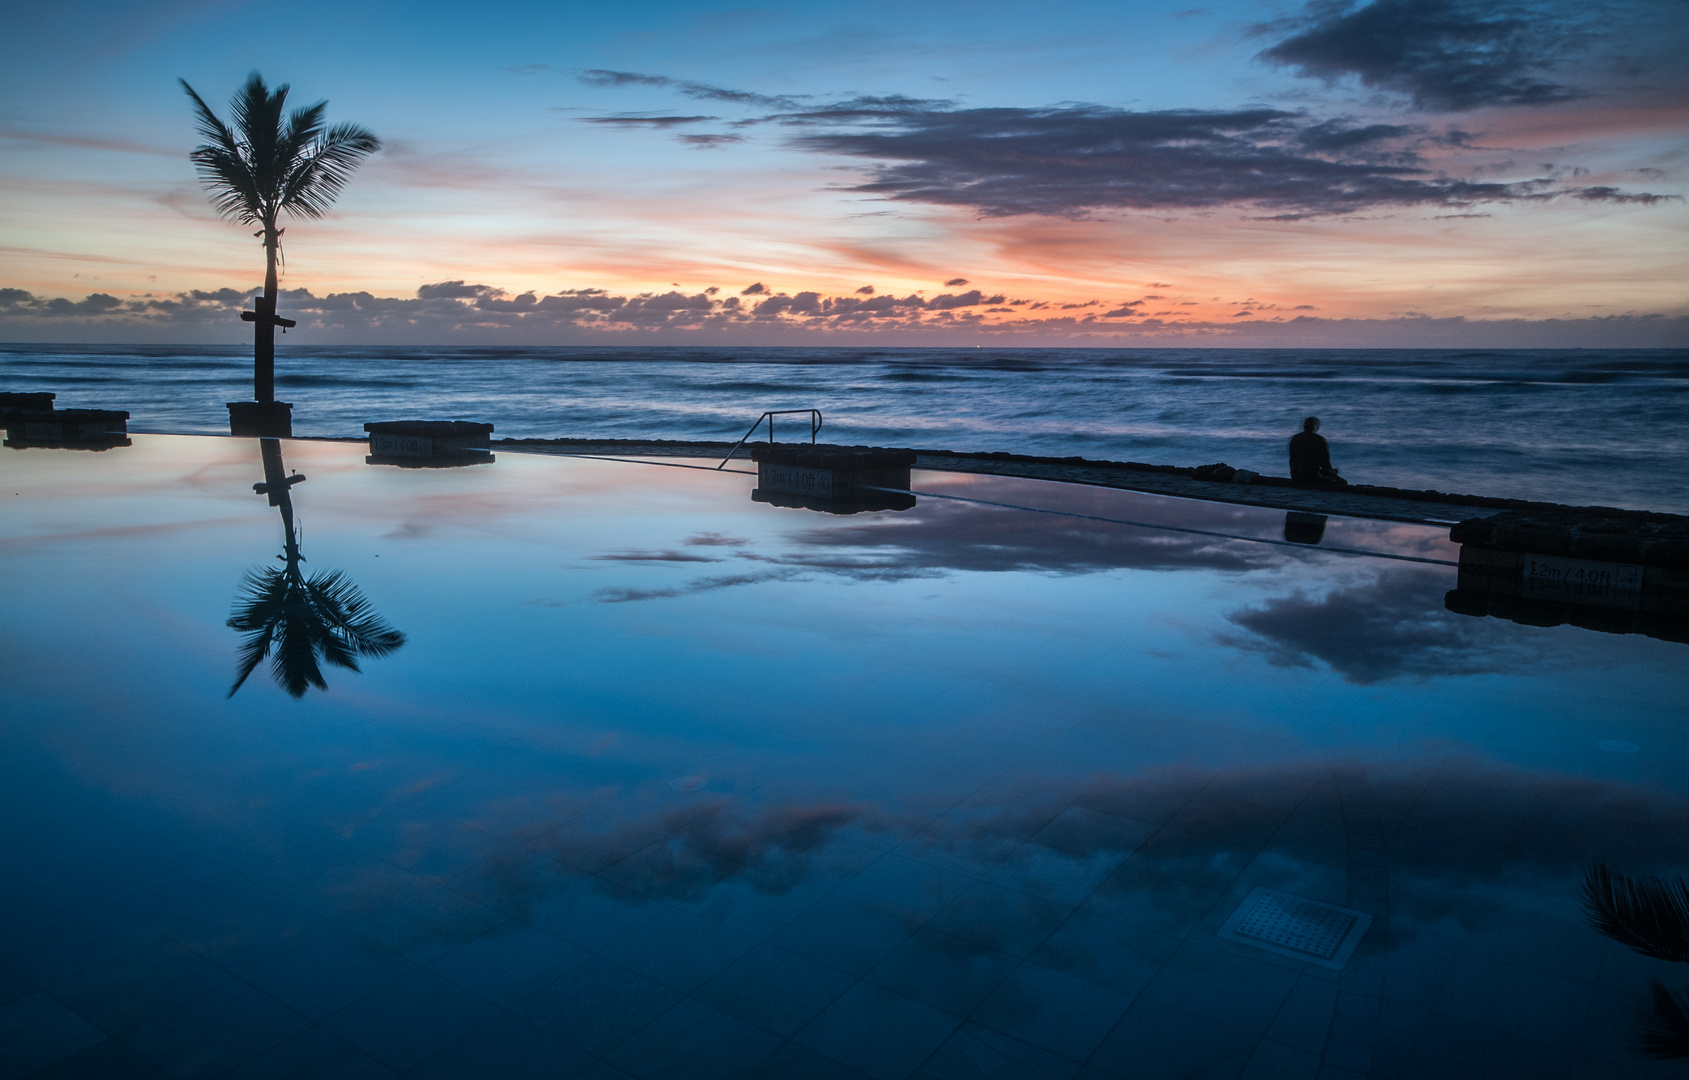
{"x":1383,"y":172}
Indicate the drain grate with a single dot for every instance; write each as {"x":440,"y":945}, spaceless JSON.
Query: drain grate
{"x":1295,"y":926}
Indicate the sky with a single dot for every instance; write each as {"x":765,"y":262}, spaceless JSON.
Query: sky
{"x":1438,"y":173}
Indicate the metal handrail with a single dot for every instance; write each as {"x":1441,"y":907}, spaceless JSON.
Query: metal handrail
{"x":814,"y":428}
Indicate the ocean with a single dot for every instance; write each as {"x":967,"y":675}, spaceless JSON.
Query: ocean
{"x":1585,"y":426}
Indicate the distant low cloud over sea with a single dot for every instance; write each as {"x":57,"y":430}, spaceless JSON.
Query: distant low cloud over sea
{"x":456,"y":311}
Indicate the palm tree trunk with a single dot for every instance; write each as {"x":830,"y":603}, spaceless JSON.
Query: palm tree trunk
{"x":264,"y":326}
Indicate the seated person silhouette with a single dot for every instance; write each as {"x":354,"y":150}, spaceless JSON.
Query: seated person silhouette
{"x":1310,"y":458}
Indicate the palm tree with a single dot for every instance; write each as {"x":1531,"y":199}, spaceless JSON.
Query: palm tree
{"x":262,"y":166}
{"x":305,"y":621}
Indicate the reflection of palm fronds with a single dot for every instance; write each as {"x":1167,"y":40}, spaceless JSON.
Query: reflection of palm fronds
{"x":1662,"y":1032}
{"x":306,"y":622}
{"x":1649,"y":914}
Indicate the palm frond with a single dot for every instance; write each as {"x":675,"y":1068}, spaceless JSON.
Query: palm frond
{"x":295,"y":666}
{"x":325,"y":167}
{"x":262,"y":610}
{"x":1649,"y":914}
{"x":352,"y":617}
{"x":302,"y":625}
{"x":269,"y":160}
{"x":1662,"y":1031}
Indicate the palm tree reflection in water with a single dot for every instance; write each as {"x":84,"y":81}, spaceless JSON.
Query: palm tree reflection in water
{"x":304,"y":622}
{"x":1651,"y":915}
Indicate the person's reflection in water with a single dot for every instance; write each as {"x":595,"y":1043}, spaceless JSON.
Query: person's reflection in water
{"x":305,"y":622}
{"x":1303,"y":528}
{"x":1310,"y":458}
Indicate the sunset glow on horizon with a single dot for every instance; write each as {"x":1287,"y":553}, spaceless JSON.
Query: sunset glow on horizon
{"x":1247,"y":173}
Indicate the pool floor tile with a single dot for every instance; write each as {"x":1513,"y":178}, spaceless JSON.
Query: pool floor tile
{"x":974,"y":1052}
{"x":1117,"y":955}
{"x":1001,"y":918}
{"x":123,"y":993}
{"x":844,"y":934}
{"x":1276,"y":1061}
{"x":14,"y":984}
{"x":329,"y":975}
{"x":410,"y":1020}
{"x":1450,"y":1046}
{"x":74,"y":941}
{"x":680,"y":951}
{"x":506,"y":1048}
{"x":36,"y":1031}
{"x":597,"y":1005}
{"x":1052,"y":1010}
{"x":694,"y":1042}
{"x":907,"y":888}
{"x":1193,"y":860}
{"x":1304,"y":1020}
{"x":1081,"y":831}
{"x":946,"y":972}
{"x":1153,"y":1040}
{"x":108,"y":1060}
{"x":1235,"y":990}
{"x":875,"y":1031}
{"x":1057,"y":876}
{"x":509,"y":962}
{"x":313,"y":1054}
{"x":774,"y":989}
{"x":795,"y":1062}
{"x":590,"y":912}
{"x":211,"y":1035}
{"x":1525,"y":1003}
{"x":753,"y":902}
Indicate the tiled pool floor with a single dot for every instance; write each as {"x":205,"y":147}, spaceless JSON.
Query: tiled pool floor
{"x":668,"y":783}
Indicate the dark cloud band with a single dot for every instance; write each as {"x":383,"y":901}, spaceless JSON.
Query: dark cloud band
{"x":1444,"y":54}
{"x":1075,"y":160}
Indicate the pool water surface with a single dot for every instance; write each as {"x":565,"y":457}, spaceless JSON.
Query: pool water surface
{"x":654,"y":779}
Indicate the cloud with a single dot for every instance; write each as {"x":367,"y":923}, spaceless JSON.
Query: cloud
{"x":121,"y":146}
{"x":1333,"y":135}
{"x":608,"y":79}
{"x":1448,"y":831}
{"x":940,"y":535}
{"x":1078,"y":159}
{"x":1391,"y":626}
{"x":92,"y":304}
{"x":605,"y":78}
{"x":710,"y":142}
{"x":1072,"y":160}
{"x":467,"y":312}
{"x":955,"y":283}
{"x":1448,"y":55}
{"x":657,"y":556}
{"x":454,"y":290}
{"x":620,"y":595}
{"x":636,"y":121}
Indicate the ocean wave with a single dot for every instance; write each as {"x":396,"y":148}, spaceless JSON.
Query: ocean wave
{"x":1603,"y":426}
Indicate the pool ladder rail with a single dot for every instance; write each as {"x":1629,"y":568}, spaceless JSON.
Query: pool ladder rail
{"x":814,"y":429}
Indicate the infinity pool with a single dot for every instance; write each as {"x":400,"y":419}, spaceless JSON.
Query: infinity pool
{"x":653,"y":779}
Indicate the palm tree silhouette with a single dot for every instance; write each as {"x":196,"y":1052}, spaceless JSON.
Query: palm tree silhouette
{"x":305,"y":622}
{"x":263,"y":166}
